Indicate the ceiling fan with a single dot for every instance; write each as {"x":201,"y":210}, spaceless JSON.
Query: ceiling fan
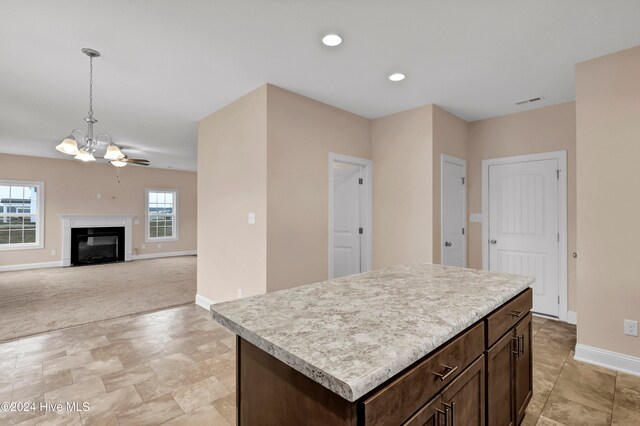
{"x":121,"y":162}
{"x":85,"y":145}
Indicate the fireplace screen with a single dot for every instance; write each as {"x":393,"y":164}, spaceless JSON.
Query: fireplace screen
{"x":97,"y":245}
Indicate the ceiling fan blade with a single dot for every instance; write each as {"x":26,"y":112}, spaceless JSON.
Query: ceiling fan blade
{"x":137,"y":162}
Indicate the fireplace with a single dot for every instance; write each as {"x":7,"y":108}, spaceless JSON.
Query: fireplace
{"x":88,"y":239}
{"x":97,"y":245}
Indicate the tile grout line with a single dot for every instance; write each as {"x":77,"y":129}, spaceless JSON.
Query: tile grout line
{"x":613,"y":402}
{"x":555,"y":381}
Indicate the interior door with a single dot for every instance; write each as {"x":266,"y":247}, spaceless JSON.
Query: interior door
{"x":453,"y":212}
{"x":346,"y":219}
{"x":523,"y":227}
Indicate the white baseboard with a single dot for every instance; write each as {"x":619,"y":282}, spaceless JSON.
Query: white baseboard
{"x":607,"y":359}
{"x":165,"y":254}
{"x":572,"y":317}
{"x":204,"y":302}
{"x":58,"y":263}
{"x":24,"y":266}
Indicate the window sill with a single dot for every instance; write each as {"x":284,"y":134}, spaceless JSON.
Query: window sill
{"x":160,"y":239}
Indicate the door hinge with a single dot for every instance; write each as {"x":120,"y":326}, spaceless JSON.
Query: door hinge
{"x":558,"y":174}
{"x":463,"y":178}
{"x":360,"y":181}
{"x":462,"y":231}
{"x":360,"y":231}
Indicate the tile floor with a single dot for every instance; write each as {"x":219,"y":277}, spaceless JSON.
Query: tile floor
{"x":568,"y":392}
{"x":177,"y":367}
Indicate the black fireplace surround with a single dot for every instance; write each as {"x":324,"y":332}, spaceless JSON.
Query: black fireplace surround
{"x":97,"y":245}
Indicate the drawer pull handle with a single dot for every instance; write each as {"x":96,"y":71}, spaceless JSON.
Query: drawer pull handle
{"x":517,"y":342}
{"x":516,"y":313}
{"x":451,"y":407}
{"x":444,"y":414}
{"x":447,"y":374}
{"x":521,"y":344}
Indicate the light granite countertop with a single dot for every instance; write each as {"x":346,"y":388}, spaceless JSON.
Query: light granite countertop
{"x":352,"y":334}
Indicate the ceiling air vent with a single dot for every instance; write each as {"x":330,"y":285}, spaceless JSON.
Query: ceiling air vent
{"x":528,"y":101}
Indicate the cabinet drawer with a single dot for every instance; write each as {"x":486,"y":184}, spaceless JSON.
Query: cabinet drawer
{"x":398,"y":400}
{"x":499,"y":322}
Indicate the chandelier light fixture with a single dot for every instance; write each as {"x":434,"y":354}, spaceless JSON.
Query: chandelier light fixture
{"x":83,"y":145}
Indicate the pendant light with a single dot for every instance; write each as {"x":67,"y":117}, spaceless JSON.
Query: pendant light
{"x":83,"y":145}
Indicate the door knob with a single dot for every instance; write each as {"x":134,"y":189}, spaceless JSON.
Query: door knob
{"x":447,"y":244}
{"x":493,"y":241}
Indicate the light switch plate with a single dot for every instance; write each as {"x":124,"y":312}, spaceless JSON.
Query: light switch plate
{"x":98,"y":195}
{"x":475,"y":217}
{"x":53,"y":252}
{"x":251,"y":218}
{"x":136,"y":221}
{"x":631,"y":328}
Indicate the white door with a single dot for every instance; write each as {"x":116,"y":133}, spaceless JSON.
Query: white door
{"x":346,"y":219}
{"x":453,"y":212}
{"x":524,"y":227}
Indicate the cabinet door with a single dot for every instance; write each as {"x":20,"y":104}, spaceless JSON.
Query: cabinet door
{"x":523,"y":374}
{"x":500,"y":365}
{"x":465,"y":396}
{"x":429,"y":415}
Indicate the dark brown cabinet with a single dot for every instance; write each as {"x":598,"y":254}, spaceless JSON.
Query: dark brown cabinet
{"x":464,"y":397}
{"x":500,"y":367}
{"x":461,"y":403}
{"x":431,"y":414}
{"x":482,"y":376}
{"x":523,"y":370}
{"x":509,"y":375}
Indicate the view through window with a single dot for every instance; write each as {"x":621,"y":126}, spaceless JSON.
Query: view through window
{"x":20,"y":214}
{"x":161,"y":214}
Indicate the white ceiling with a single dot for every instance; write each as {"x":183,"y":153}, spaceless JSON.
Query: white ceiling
{"x":167,"y":64}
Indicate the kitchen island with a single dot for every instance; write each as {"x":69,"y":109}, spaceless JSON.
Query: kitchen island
{"x":413,"y":344}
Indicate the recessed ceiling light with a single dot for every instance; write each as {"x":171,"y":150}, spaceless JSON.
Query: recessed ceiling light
{"x":331,"y":40}
{"x":397,"y":76}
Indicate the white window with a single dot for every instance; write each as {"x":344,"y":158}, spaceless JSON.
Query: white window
{"x":162,"y":214}
{"x":21,"y":215}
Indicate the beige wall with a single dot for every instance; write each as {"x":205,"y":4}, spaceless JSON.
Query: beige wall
{"x":71,"y":187}
{"x":450,"y":135}
{"x":540,"y":130}
{"x":301,"y":133}
{"x":232,"y":181}
{"x":608,"y":147}
{"x":268,"y":153}
{"x":402,"y":153}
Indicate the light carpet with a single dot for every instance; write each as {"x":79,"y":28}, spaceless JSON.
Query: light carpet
{"x":40,"y":300}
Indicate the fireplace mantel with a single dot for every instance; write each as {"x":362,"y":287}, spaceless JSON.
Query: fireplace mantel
{"x":94,"y":221}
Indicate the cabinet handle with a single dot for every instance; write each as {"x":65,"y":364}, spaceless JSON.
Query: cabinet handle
{"x":517,"y":342}
{"x":451,"y":407}
{"x":444,"y":414}
{"x":521,"y":346}
{"x":447,"y":374}
{"x":516,"y":313}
